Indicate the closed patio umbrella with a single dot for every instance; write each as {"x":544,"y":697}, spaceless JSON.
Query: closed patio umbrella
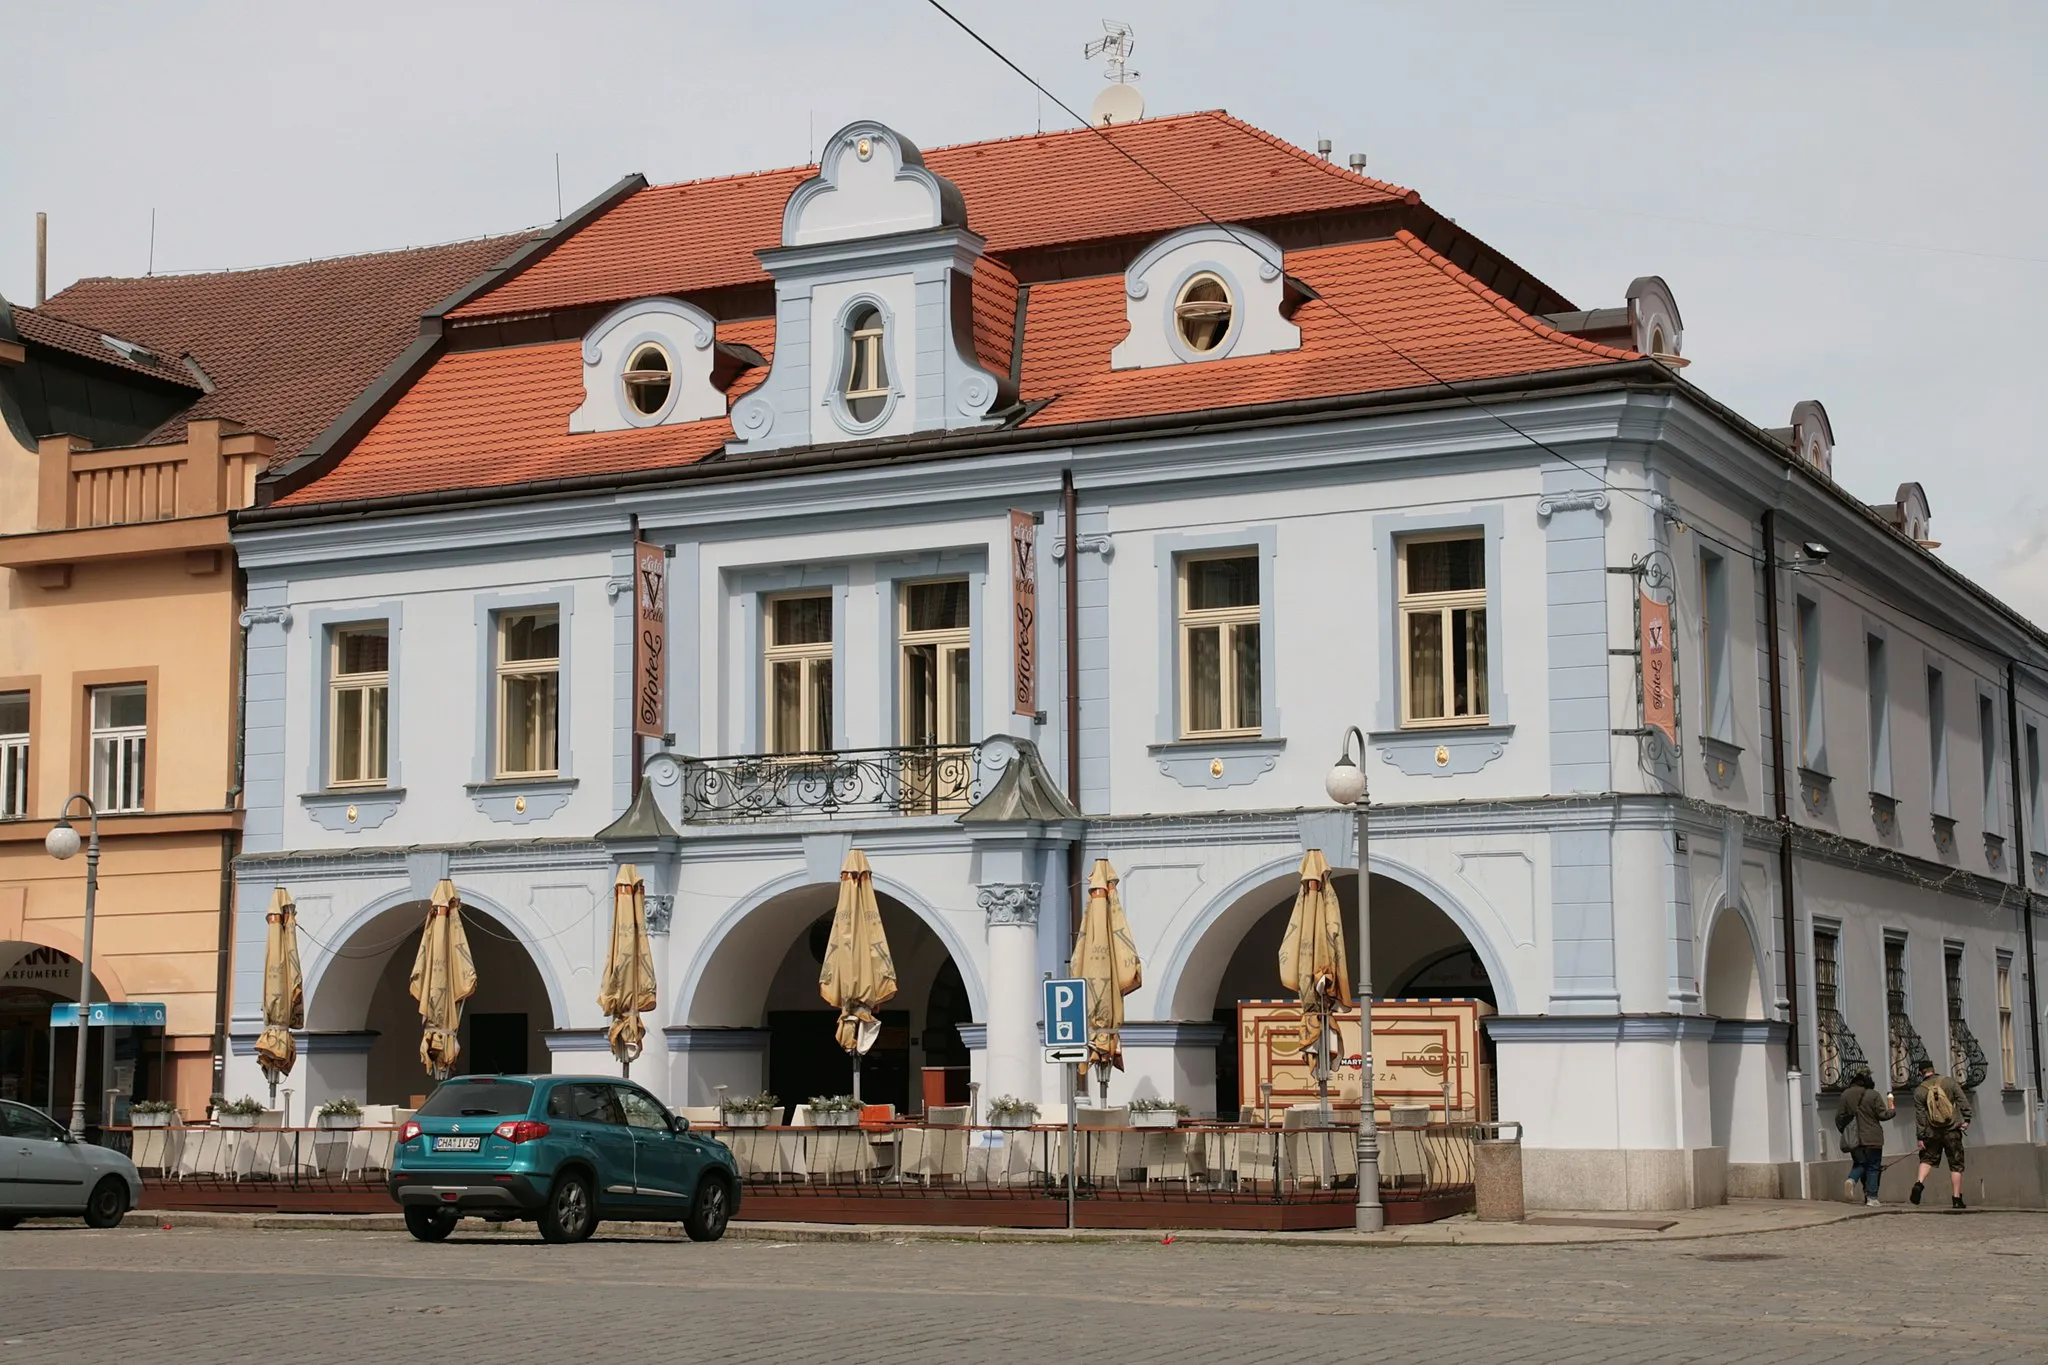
{"x":628,"y":985}
{"x":284,"y":988}
{"x":1312,"y":962}
{"x":858,"y":974}
{"x":1107,"y":960}
{"x":443,"y":976}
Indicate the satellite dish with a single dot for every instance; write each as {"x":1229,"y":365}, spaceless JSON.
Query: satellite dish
{"x":1117,"y":104}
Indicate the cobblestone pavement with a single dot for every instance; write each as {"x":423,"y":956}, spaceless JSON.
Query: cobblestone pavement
{"x":1918,"y":1287}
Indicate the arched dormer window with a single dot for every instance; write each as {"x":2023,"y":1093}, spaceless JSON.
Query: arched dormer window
{"x":1202,"y":312}
{"x":867,"y":370}
{"x":647,"y":378}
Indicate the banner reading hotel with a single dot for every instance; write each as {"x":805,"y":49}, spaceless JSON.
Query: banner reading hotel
{"x":1024,"y":606}
{"x":1660,"y":701}
{"x":650,"y":639}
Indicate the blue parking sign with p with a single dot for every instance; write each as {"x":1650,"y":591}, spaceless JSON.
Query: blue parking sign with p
{"x":1066,"y":1013}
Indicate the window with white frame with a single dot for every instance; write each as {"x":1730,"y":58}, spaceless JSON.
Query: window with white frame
{"x":120,"y":746}
{"x":1987,"y":758}
{"x":2008,"y":1056}
{"x":13,"y":755}
{"x":1878,"y":674}
{"x":937,"y":686}
{"x":1219,"y":644}
{"x":1715,"y":674}
{"x":1937,"y":742}
{"x":1806,"y":647}
{"x":528,"y":658}
{"x":359,"y":705}
{"x":797,"y":654}
{"x":1443,"y":630}
{"x":867,"y":365}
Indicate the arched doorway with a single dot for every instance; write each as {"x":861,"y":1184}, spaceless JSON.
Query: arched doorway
{"x":1740,"y":1059}
{"x":1418,"y":953}
{"x":762,"y":973}
{"x":364,"y":990}
{"x":36,"y":1060}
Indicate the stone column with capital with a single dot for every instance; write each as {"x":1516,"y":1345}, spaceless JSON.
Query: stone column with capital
{"x":1012,"y":1066}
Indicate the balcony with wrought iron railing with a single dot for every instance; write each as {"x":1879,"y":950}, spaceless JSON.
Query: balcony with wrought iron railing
{"x":907,"y":780}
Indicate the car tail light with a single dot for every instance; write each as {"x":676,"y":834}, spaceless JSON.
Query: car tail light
{"x":522,"y":1130}
{"x":409,"y":1132}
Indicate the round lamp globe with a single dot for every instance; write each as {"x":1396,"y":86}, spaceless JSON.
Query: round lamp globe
{"x":61,"y":842}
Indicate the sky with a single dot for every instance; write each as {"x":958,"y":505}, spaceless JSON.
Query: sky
{"x":1845,"y":196}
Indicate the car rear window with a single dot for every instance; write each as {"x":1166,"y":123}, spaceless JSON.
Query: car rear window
{"x":477,"y":1099}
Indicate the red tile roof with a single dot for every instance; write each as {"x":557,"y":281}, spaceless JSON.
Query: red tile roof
{"x":1047,"y":189}
{"x":1393,"y":315}
{"x":486,"y":418}
{"x":286,"y":347}
{"x":44,"y":328}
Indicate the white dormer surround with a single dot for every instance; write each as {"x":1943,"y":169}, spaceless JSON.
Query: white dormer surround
{"x":653,"y":334}
{"x":1654,"y":326}
{"x":1205,"y":293}
{"x":1813,"y":436}
{"x":874,"y":305}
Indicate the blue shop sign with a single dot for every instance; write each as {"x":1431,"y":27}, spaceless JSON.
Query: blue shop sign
{"x":135,"y":1013}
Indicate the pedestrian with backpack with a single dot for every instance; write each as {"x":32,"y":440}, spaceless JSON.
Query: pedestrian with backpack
{"x":1860,"y":1119}
{"x":1941,"y":1113}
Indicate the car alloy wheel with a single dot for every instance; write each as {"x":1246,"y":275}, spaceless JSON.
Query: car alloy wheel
{"x":709,"y":1211}
{"x":108,"y":1203}
{"x":568,"y":1216}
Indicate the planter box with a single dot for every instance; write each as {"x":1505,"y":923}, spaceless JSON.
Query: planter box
{"x":1155,"y":1118}
{"x":757,"y":1119}
{"x":337,"y":1120}
{"x":235,"y":1120}
{"x":836,"y":1118}
{"x":151,"y":1120}
{"x":1012,"y":1120}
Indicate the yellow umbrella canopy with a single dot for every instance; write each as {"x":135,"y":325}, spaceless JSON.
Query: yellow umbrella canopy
{"x":628,"y":986}
{"x":858,"y":975}
{"x":443,"y":976}
{"x":1312,"y":962}
{"x":1107,"y":960}
{"x":284,"y":987}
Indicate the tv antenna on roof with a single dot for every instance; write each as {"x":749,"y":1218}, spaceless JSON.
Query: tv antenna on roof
{"x":1121,"y":102}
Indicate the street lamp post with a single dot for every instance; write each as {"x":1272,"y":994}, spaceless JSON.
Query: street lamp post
{"x":62,"y":843}
{"x":1346,"y":786}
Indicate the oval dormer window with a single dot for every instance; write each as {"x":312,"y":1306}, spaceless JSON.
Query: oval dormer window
{"x":647,"y":378}
{"x":1202,"y":313}
{"x":867,"y":372}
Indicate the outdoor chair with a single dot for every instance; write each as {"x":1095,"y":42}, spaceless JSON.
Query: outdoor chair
{"x":1106,"y":1156}
{"x":702,"y":1115}
{"x":938,"y":1150}
{"x":1317,"y":1157}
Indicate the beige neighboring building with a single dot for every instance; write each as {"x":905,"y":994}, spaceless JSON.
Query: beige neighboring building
{"x":134,"y":415}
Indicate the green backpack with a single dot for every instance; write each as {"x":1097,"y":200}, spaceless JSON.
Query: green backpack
{"x":1941,"y":1110}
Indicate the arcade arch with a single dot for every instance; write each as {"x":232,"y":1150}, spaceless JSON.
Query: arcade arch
{"x":364,"y":988}
{"x":760,"y":971}
{"x":35,"y":976}
{"x":1742,"y":1064}
{"x":1421,"y":951}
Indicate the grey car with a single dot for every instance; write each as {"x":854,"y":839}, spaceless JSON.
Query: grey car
{"x":45,"y":1173}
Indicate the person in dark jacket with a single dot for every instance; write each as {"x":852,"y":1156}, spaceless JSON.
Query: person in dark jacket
{"x":1938,"y":1139}
{"x":1860,"y":1118}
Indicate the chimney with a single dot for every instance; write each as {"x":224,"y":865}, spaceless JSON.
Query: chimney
{"x":42,"y":258}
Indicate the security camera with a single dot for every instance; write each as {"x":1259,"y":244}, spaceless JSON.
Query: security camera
{"x":1816,"y":552}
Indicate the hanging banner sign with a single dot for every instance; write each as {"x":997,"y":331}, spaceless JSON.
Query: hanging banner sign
{"x":1024,"y":609}
{"x":1660,"y":696}
{"x":650,"y":640}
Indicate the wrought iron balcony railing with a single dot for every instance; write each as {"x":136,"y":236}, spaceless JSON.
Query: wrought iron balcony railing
{"x":916,"y":780}
{"x":1841,"y":1054}
{"x":1908,"y":1052}
{"x":1967,"y":1062}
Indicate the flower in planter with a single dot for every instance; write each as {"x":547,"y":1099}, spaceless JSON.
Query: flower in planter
{"x":246,"y":1107}
{"x":1009,"y":1106}
{"x":834,"y":1104}
{"x":152,"y":1107}
{"x":1158,"y":1106}
{"x":752,"y":1104}
{"x":344,"y":1107}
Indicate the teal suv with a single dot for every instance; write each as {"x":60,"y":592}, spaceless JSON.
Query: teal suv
{"x":565,"y":1151}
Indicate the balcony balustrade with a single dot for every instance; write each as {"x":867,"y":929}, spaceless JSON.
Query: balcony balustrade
{"x":911,"y":780}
